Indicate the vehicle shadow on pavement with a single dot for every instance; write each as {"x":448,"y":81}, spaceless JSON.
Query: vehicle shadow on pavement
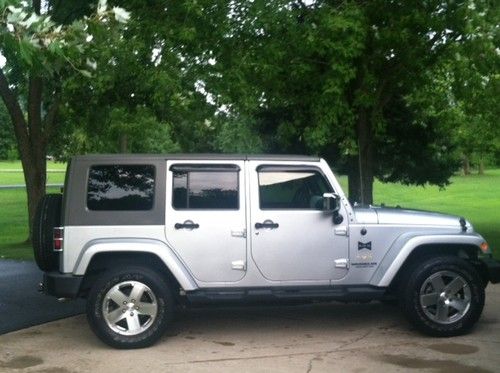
{"x":299,"y":321}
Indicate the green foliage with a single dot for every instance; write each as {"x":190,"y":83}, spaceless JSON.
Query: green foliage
{"x":276,"y":76}
{"x":35,"y":43}
{"x":8,"y":147}
{"x":309,"y":72}
{"x":140,"y":129}
{"x":145,"y":89}
{"x":236,"y":135}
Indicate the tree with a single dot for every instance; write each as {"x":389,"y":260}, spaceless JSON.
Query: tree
{"x":149,"y":87}
{"x":41,"y":53}
{"x":337,"y":77}
{"x":476,"y":87}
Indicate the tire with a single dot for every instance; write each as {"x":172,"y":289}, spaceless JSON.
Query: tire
{"x":47,"y":216}
{"x":139,"y":326}
{"x":443,"y":297}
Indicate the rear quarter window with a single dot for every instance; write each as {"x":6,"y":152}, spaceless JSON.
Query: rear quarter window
{"x":121,"y":187}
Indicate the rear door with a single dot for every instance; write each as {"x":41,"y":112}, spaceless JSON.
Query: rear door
{"x":205,"y":218}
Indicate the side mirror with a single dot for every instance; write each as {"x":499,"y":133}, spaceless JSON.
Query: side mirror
{"x":331,"y":202}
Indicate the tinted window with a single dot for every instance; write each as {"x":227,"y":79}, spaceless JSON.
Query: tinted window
{"x":121,"y":187}
{"x":292,"y":190}
{"x":205,"y":190}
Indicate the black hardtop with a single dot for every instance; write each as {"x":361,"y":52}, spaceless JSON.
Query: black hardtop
{"x":195,"y":156}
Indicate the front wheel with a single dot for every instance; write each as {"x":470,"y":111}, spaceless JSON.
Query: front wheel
{"x":129,"y":307}
{"x":444,"y":296}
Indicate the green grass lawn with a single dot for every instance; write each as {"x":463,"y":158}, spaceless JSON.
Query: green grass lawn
{"x":11,"y":173}
{"x":16,"y":165}
{"x":475,"y":197}
{"x":14,"y":224}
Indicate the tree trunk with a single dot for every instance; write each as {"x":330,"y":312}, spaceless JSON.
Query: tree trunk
{"x":123,"y":143}
{"x":481,"y":167}
{"x":31,"y":138}
{"x":35,"y":177}
{"x":466,"y":165}
{"x":353,"y":181}
{"x":361,"y":175}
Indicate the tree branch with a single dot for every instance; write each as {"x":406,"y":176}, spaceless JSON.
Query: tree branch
{"x":37,"y":6}
{"x":15,"y":112}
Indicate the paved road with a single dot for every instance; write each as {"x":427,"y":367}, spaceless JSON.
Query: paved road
{"x":318,"y":338}
{"x":21,"y":305}
{"x":23,"y":186}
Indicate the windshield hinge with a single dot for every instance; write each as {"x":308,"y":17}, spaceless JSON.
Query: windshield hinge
{"x":341,"y":231}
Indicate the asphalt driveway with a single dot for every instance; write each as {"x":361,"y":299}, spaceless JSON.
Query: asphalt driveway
{"x":21,"y":305}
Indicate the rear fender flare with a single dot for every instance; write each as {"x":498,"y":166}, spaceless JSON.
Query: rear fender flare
{"x":137,"y":245}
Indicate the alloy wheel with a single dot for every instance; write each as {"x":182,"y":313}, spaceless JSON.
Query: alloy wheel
{"x":445,"y":297}
{"x":130,"y":308}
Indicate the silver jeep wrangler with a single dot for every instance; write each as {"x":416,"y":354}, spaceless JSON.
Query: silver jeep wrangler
{"x":137,"y":235}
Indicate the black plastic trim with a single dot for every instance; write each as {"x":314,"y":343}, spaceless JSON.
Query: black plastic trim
{"x":199,"y":156}
{"x":305,"y":294}
{"x":61,"y":285}
{"x":493,"y":267}
{"x":204,"y":167}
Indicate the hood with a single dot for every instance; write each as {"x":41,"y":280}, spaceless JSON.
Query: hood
{"x":399,"y":216}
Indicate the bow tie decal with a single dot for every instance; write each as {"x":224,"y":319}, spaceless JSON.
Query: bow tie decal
{"x":362,"y":245}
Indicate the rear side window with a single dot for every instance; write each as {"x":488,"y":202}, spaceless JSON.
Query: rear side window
{"x":208,"y":188}
{"x":121,"y":187}
{"x":292,"y":189}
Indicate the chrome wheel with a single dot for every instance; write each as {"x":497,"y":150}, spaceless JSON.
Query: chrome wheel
{"x":445,"y":297}
{"x":129,"y":308}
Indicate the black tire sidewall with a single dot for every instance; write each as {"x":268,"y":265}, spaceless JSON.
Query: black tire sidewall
{"x":411,"y":296}
{"x":157,"y":285}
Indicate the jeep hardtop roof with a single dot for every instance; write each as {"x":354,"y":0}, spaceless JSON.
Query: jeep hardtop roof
{"x":197,"y":156}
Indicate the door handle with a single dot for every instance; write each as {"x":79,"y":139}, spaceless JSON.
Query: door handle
{"x":267,"y":224}
{"x":188,"y":224}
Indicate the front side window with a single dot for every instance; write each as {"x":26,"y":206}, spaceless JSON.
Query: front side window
{"x":121,"y":187}
{"x":210,"y":188}
{"x":292,"y":189}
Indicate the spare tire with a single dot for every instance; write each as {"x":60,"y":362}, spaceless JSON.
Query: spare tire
{"x":47,"y":216}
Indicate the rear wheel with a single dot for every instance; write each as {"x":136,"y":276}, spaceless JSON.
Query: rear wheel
{"x":47,"y":216}
{"x":130,"y":307}
{"x":444,"y":296}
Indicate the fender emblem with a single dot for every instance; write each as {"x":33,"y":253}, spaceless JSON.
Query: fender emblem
{"x":362,"y":245}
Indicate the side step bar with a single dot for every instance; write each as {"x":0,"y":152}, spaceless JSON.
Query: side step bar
{"x":306,"y":294}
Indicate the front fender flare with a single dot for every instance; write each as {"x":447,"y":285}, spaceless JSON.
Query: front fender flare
{"x":136,"y":245}
{"x":404,"y":246}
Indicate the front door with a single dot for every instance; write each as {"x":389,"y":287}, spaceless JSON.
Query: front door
{"x":205,"y":218}
{"x":292,"y":238}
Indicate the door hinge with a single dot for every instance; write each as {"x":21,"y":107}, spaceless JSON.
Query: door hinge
{"x":342,"y":263}
{"x":242,"y":233}
{"x":239,"y":265}
{"x":341,"y":231}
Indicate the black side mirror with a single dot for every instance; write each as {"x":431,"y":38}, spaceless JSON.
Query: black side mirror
{"x":331,"y":202}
